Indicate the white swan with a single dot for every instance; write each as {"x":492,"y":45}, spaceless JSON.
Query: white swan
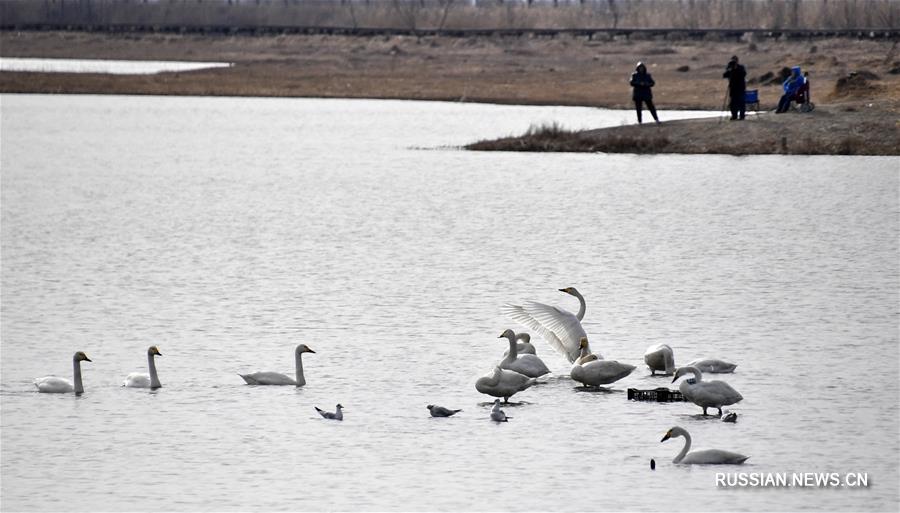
{"x":712,"y":366}
{"x":707,"y":457}
{"x":660,"y":358}
{"x":274,"y":378}
{"x":523,"y":347}
{"x":57,"y":385}
{"x":590,"y":370}
{"x":561,"y":329}
{"x":706,"y":394}
{"x":527,"y":364}
{"x":503,"y":383}
{"x":141,"y":380}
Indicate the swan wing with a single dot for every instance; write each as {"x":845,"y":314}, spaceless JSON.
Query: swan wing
{"x":528,"y":365}
{"x":53,"y":385}
{"x":713,"y":457}
{"x":268,"y":378}
{"x":714,"y":393}
{"x":137,"y":380}
{"x":713,"y":366}
{"x":561,"y":329}
{"x":601,"y":372}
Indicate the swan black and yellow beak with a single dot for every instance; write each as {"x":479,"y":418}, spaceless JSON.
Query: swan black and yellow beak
{"x":87,"y":359}
{"x":675,"y":378}
{"x":308,"y":350}
{"x":668,"y":435}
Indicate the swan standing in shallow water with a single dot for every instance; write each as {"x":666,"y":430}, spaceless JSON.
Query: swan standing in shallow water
{"x":713,"y":366}
{"x":707,"y":457}
{"x":56,"y":385}
{"x":141,"y":380}
{"x":503,"y":383}
{"x":561,"y":329}
{"x":523,"y":347}
{"x":590,"y":370}
{"x":274,"y":378}
{"x":527,"y":364}
{"x":660,"y":358}
{"x":706,"y":394}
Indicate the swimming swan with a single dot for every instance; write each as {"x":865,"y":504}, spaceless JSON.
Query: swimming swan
{"x":706,"y":394}
{"x":660,"y":358}
{"x":707,"y":457}
{"x":523,"y":347}
{"x":141,"y":380}
{"x":527,"y":364}
{"x":274,"y":378}
{"x":589,"y":369}
{"x":713,"y":366}
{"x":561,"y":329}
{"x":56,"y":385}
{"x":503,"y":383}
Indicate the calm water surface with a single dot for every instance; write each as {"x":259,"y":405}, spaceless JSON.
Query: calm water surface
{"x":229,"y":230}
{"x":114,"y":67}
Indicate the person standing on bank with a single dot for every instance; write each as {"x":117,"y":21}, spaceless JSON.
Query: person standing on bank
{"x":641,"y":81}
{"x":737,"y":86}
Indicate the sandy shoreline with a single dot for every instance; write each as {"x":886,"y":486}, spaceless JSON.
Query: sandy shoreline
{"x":529,"y":71}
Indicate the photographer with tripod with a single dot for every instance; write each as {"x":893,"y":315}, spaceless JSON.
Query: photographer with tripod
{"x":737,"y":86}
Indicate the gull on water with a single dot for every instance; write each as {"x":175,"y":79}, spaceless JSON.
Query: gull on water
{"x":440,"y":411}
{"x":337,"y":415}
{"x":497,"y":415}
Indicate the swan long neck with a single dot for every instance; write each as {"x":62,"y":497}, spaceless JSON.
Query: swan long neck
{"x":79,"y":387}
{"x":298,"y":357}
{"x":513,"y":348}
{"x":687,"y":445}
{"x":582,"y":306}
{"x":154,"y":379}
{"x":670,"y":362}
{"x":698,"y":376}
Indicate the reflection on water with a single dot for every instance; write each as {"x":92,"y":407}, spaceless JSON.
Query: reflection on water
{"x":228,"y":230}
{"x":114,"y":67}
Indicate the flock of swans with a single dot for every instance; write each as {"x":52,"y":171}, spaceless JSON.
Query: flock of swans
{"x":518,"y":370}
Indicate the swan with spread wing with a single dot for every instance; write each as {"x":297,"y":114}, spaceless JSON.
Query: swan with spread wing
{"x":560,"y":328}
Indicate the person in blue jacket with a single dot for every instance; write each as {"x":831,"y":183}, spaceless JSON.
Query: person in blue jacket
{"x":791,"y":86}
{"x":641,"y":81}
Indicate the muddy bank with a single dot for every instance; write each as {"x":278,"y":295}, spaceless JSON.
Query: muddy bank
{"x":825,"y":131}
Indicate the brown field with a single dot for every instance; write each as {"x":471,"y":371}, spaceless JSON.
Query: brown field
{"x":564,"y":70}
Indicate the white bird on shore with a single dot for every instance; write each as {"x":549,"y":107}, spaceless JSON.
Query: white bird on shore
{"x":713,"y":366}
{"x":275,"y":378}
{"x":524,"y":347}
{"x":527,"y":364}
{"x":592,"y":371}
{"x":337,"y":415}
{"x":498,"y":415}
{"x":561,"y":329}
{"x":503,"y":383}
{"x":57,"y":385}
{"x":141,"y":380}
{"x":660,"y":357}
{"x":706,"y":394}
{"x":707,"y":457}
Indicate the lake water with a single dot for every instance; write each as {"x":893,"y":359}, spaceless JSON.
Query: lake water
{"x":226,"y":231}
{"x":114,"y":67}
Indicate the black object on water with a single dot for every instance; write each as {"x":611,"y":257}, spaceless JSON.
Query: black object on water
{"x":652,"y":464}
{"x":661,"y":395}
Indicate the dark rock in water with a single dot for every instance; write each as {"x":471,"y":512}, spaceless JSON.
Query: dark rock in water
{"x":730,"y":417}
{"x":652,"y":464}
{"x":682,"y":69}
